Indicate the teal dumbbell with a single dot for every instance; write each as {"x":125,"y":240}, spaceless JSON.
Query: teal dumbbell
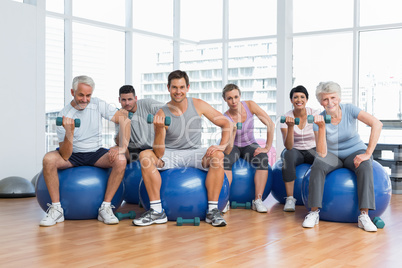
{"x":59,"y":122}
{"x":130,"y":214}
{"x":180,"y":221}
{"x":130,"y":115}
{"x":150,"y":120}
{"x":246,"y":205}
{"x":310,"y":119}
{"x":297,"y":120}
{"x":378,"y":222}
{"x":239,"y":125}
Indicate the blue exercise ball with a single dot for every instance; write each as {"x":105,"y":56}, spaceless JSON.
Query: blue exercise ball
{"x":132,"y":179}
{"x":82,"y":190}
{"x":183,"y":193}
{"x":242,"y":189}
{"x":278,"y":185}
{"x":340,"y":202}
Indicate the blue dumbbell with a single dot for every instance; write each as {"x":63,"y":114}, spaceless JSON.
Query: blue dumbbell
{"x":283,"y":120}
{"x":310,"y":119}
{"x":150,"y":119}
{"x":180,"y":221}
{"x":378,"y":222}
{"x":246,"y":205}
{"x":59,"y":122}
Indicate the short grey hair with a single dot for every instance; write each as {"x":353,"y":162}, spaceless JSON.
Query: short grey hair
{"x":83,"y":79}
{"x":327,"y":88}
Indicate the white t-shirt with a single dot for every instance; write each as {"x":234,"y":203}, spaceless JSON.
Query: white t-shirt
{"x":304,"y":139}
{"x":87,"y":137}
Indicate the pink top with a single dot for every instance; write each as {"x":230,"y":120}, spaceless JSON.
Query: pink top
{"x":304,"y":139}
{"x":245,"y":136}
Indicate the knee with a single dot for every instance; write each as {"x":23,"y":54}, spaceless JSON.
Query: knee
{"x":146,"y":159}
{"x":260,"y":161}
{"x":218,"y":155}
{"x":120,"y":163}
{"x":215,"y":160}
{"x":49,"y":160}
{"x":146,"y":155}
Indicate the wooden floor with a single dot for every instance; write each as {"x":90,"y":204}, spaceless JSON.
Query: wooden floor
{"x":250,"y":239}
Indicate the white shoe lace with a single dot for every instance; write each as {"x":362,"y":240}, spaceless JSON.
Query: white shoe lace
{"x":51,"y":211}
{"x":109,"y":210}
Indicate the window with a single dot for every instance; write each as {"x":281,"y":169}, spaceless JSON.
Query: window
{"x":323,"y":58}
{"x":254,"y":18}
{"x":316,"y":15}
{"x":112,"y":12}
{"x":380,"y":81}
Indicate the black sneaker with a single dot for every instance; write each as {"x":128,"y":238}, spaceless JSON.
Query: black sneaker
{"x":151,"y":217}
{"x":215,"y":218}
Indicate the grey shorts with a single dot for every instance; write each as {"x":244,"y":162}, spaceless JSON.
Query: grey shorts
{"x":183,"y":158}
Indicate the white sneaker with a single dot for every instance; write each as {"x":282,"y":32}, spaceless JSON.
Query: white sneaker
{"x":259,"y":206}
{"x":105,"y":214}
{"x":365,"y":223}
{"x":311,"y":219}
{"x":290,"y":204}
{"x":227,"y":207}
{"x":54,"y":214}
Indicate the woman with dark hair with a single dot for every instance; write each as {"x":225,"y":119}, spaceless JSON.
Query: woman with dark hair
{"x":299,"y":141}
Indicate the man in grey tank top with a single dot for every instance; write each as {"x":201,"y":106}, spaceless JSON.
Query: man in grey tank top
{"x":179,"y":145}
{"x":142,"y":133}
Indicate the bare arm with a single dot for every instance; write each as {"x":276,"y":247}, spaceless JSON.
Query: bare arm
{"x":218,"y":119}
{"x":124,"y":123}
{"x":66,"y":147}
{"x":376,"y":127}
{"x":266,"y":120}
{"x":320,"y":136}
{"x":117,"y":137}
{"x":231,"y":139}
{"x":160,"y":134}
{"x":288,"y":133}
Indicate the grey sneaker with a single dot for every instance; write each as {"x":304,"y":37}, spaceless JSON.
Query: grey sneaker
{"x":259,"y":206}
{"x":54,"y":214}
{"x":151,"y":217}
{"x":227,"y":207}
{"x":215,"y":218}
{"x":290,"y":204}
{"x":105,"y":214}
{"x":365,"y":223}
{"x":311,"y":219}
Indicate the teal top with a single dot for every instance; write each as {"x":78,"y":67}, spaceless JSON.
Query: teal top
{"x":343,"y":139}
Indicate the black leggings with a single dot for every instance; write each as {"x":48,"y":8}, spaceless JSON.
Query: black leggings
{"x":292,"y":158}
{"x":259,"y":162}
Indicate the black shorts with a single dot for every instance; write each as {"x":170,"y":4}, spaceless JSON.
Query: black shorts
{"x":87,"y":159}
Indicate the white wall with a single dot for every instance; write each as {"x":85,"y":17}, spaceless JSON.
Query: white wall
{"x":22,"y":89}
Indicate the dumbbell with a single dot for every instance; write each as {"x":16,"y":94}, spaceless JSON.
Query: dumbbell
{"x":130,"y":114}
{"x":195,"y":221}
{"x":130,"y":214}
{"x":239,"y":125}
{"x":378,"y":222}
{"x":59,"y":122}
{"x":150,"y":119}
{"x":310,"y":119}
{"x":297,"y":120}
{"x":246,"y":205}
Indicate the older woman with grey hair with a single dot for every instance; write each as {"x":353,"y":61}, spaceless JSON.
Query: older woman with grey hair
{"x":339,"y":145}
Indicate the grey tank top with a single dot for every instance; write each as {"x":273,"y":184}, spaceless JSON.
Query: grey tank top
{"x":184,"y":131}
